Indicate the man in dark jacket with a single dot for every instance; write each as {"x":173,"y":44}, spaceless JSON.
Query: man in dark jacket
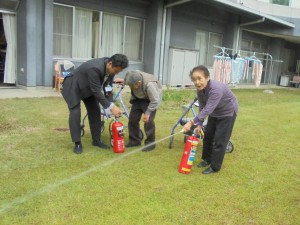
{"x":146,"y":96}
{"x":91,"y":82}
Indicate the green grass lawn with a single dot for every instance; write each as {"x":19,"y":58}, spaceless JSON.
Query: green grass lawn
{"x":43,"y":182}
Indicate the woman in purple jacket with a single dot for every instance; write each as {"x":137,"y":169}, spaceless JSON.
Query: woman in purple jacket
{"x":219,"y":104}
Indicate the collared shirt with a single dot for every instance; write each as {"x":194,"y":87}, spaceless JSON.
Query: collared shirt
{"x":216,"y":100}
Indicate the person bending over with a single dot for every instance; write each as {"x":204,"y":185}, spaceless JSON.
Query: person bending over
{"x":146,"y":96}
{"x":91,"y":82}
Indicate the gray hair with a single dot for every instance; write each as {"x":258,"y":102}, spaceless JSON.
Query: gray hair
{"x":132,"y":77}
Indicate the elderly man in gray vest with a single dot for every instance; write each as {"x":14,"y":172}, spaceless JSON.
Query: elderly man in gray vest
{"x":146,"y":96}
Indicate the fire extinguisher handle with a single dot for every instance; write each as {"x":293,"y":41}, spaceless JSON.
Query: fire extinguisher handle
{"x":202,"y":133}
{"x":194,"y":132}
{"x":198,"y":132}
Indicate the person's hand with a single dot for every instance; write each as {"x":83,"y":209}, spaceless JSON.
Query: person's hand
{"x":198,"y":130}
{"x":116,"y":111}
{"x":119,"y":80}
{"x":187,"y":126}
{"x":146,"y":118}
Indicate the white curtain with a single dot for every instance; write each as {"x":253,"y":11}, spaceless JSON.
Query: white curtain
{"x":201,"y":45}
{"x":95,"y":48}
{"x":134,"y":39}
{"x":112,"y":35}
{"x":62,"y":31}
{"x":10,"y":29}
{"x":82,"y":47}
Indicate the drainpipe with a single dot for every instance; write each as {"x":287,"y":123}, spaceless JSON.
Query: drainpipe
{"x":242,"y":25}
{"x":163,"y":34}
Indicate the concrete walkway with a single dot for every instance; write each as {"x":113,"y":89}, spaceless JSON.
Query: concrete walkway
{"x":14,"y":92}
{"x":27,"y":93}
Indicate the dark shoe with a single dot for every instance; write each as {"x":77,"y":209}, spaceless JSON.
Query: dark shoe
{"x":78,"y":149}
{"x":209,"y":170}
{"x":100,"y":144}
{"x":129,"y":145}
{"x":203,"y":164}
{"x":149,"y":147}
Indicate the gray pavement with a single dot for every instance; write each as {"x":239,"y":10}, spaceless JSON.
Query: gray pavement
{"x":39,"y":92}
{"x":13,"y":92}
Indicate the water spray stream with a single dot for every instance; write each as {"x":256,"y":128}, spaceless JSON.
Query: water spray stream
{"x":51,"y":187}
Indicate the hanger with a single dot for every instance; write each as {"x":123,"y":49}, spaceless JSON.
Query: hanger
{"x":222,"y":57}
{"x":222,"y":53}
{"x":253,"y":58}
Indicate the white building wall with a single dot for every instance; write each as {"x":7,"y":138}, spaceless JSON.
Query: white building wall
{"x":264,"y":6}
{"x":295,"y":4}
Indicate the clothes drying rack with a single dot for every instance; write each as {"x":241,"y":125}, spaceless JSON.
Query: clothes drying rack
{"x":263,"y":57}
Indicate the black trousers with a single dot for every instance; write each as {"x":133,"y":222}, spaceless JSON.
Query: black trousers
{"x":94,"y":116}
{"x":139,"y":106}
{"x":216,"y":137}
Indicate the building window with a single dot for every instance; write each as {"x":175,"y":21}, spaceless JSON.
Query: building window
{"x":112,"y":34}
{"x":205,"y":42}
{"x":253,"y":46}
{"x":256,"y":46}
{"x":214,"y":40}
{"x":80,"y":33}
{"x":134,"y":36}
{"x":95,"y":37}
{"x":82,"y":41}
{"x":246,"y":44}
{"x":62,"y":31}
{"x":281,"y":2}
{"x":201,"y":45}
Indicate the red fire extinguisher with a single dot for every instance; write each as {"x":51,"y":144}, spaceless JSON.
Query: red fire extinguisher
{"x":117,"y":136}
{"x":188,"y":155}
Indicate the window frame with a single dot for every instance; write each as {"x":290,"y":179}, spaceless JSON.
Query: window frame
{"x":101,"y":15}
{"x":208,"y":61}
{"x":73,"y":17}
{"x":278,"y":3}
{"x":143,"y":36}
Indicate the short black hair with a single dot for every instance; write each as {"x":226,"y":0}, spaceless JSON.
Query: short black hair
{"x":200,"y":68}
{"x":119,"y":60}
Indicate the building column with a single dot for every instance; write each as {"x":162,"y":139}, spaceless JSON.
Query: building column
{"x":47,"y":44}
{"x":34,"y":43}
